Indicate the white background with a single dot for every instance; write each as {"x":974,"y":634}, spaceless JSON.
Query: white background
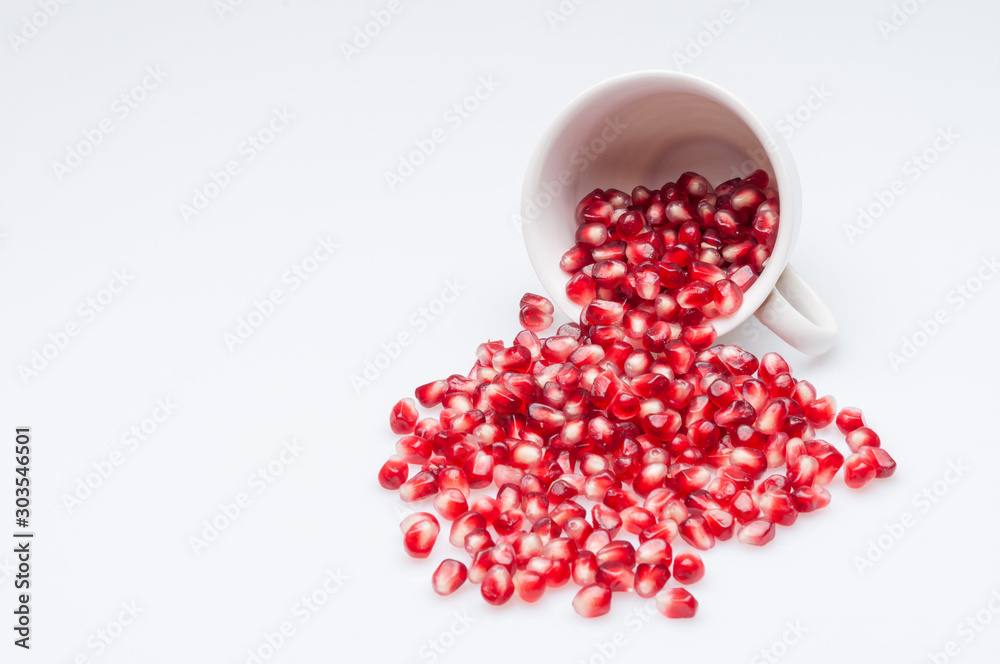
{"x":323,"y":176}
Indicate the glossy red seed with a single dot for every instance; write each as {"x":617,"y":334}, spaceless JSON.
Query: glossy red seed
{"x":849,"y":419}
{"x":756,"y":533}
{"x":404,"y":416}
{"x":449,"y":503}
{"x":695,"y":531}
{"x":676,"y":603}
{"x":530,"y":586}
{"x":617,"y":576}
{"x":862,"y":437}
{"x":393,"y":472}
{"x":593,"y":600}
{"x":810,"y":498}
{"x":877,"y":457}
{"x":420,"y":534}
{"x":420,"y":486}
{"x":449,"y":576}
{"x":688,"y":568}
{"x":858,"y":471}
{"x":650,"y":578}
{"x":497,"y":586}
{"x":776,"y":506}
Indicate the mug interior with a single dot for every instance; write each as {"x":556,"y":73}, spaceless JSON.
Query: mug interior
{"x":647,"y":129}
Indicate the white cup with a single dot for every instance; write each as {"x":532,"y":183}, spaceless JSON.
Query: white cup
{"x":647,"y":128}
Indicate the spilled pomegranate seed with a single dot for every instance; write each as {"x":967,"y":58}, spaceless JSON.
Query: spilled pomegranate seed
{"x":587,"y":455}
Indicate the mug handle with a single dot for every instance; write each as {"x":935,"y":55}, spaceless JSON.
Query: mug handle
{"x":795,"y":313}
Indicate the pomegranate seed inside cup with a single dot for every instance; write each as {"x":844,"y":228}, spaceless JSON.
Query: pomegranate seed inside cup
{"x":587,"y":455}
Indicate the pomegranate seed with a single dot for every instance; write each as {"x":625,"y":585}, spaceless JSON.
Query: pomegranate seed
{"x":584,"y":568}
{"x":802,"y":472}
{"x":619,"y":577}
{"x":830,"y":460}
{"x":593,"y":600}
{"x":420,"y":532}
{"x":858,"y":471}
{"x":821,"y":412}
{"x":497,"y":586}
{"x":450,"y":503}
{"x":530,"y":586}
{"x":537,"y":301}
{"x":393,"y":472}
{"x":756,"y":533}
{"x":676,"y":603}
{"x":449,"y":577}
{"x":653,"y":551}
{"x":776,"y":506}
{"x":721,"y":523}
{"x":696,"y":532}
{"x":430,"y":395}
{"x":463,"y":525}
{"x":420,"y":486}
{"x":862,"y":437}
{"x":810,"y":498}
{"x":404,"y":416}
{"x":617,"y":551}
{"x":743,"y":507}
{"x":688,"y":568}
{"x":849,"y":419}
{"x":650,"y":578}
{"x":534,"y":319}
{"x":878,"y":458}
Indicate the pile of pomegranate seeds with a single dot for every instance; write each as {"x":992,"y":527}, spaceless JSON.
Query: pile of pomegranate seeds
{"x":632,"y":412}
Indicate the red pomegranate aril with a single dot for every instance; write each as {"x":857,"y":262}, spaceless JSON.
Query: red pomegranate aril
{"x":393,"y":472}
{"x":530,"y":586}
{"x":593,"y":600}
{"x":743,"y":507}
{"x":650,"y":578}
{"x":450,"y":503}
{"x":862,"y":437}
{"x":849,"y":419}
{"x":877,"y":457}
{"x":751,"y":460}
{"x":596,"y":211}
{"x":449,"y":577}
{"x":619,"y":551}
{"x":497,"y":586}
{"x":720,"y":522}
{"x":404,"y":416}
{"x":688,"y":568}
{"x":802,"y":472}
{"x":635,"y":519}
{"x":821,"y":412}
{"x":478,"y":540}
{"x":534,"y":319}
{"x":420,"y":535}
{"x":810,"y":498}
{"x":858,"y":471}
{"x":616,"y":576}
{"x":420,"y":486}
{"x":696,"y":532}
{"x":676,"y":603}
{"x":830,"y":460}
{"x":430,"y":394}
{"x":413,"y":449}
{"x":756,"y":533}
{"x":592,"y":234}
{"x":777,"y":507}
{"x":584,"y":568}
{"x":463,"y":525}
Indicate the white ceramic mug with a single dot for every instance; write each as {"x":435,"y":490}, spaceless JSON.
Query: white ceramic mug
{"x":647,"y":128}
